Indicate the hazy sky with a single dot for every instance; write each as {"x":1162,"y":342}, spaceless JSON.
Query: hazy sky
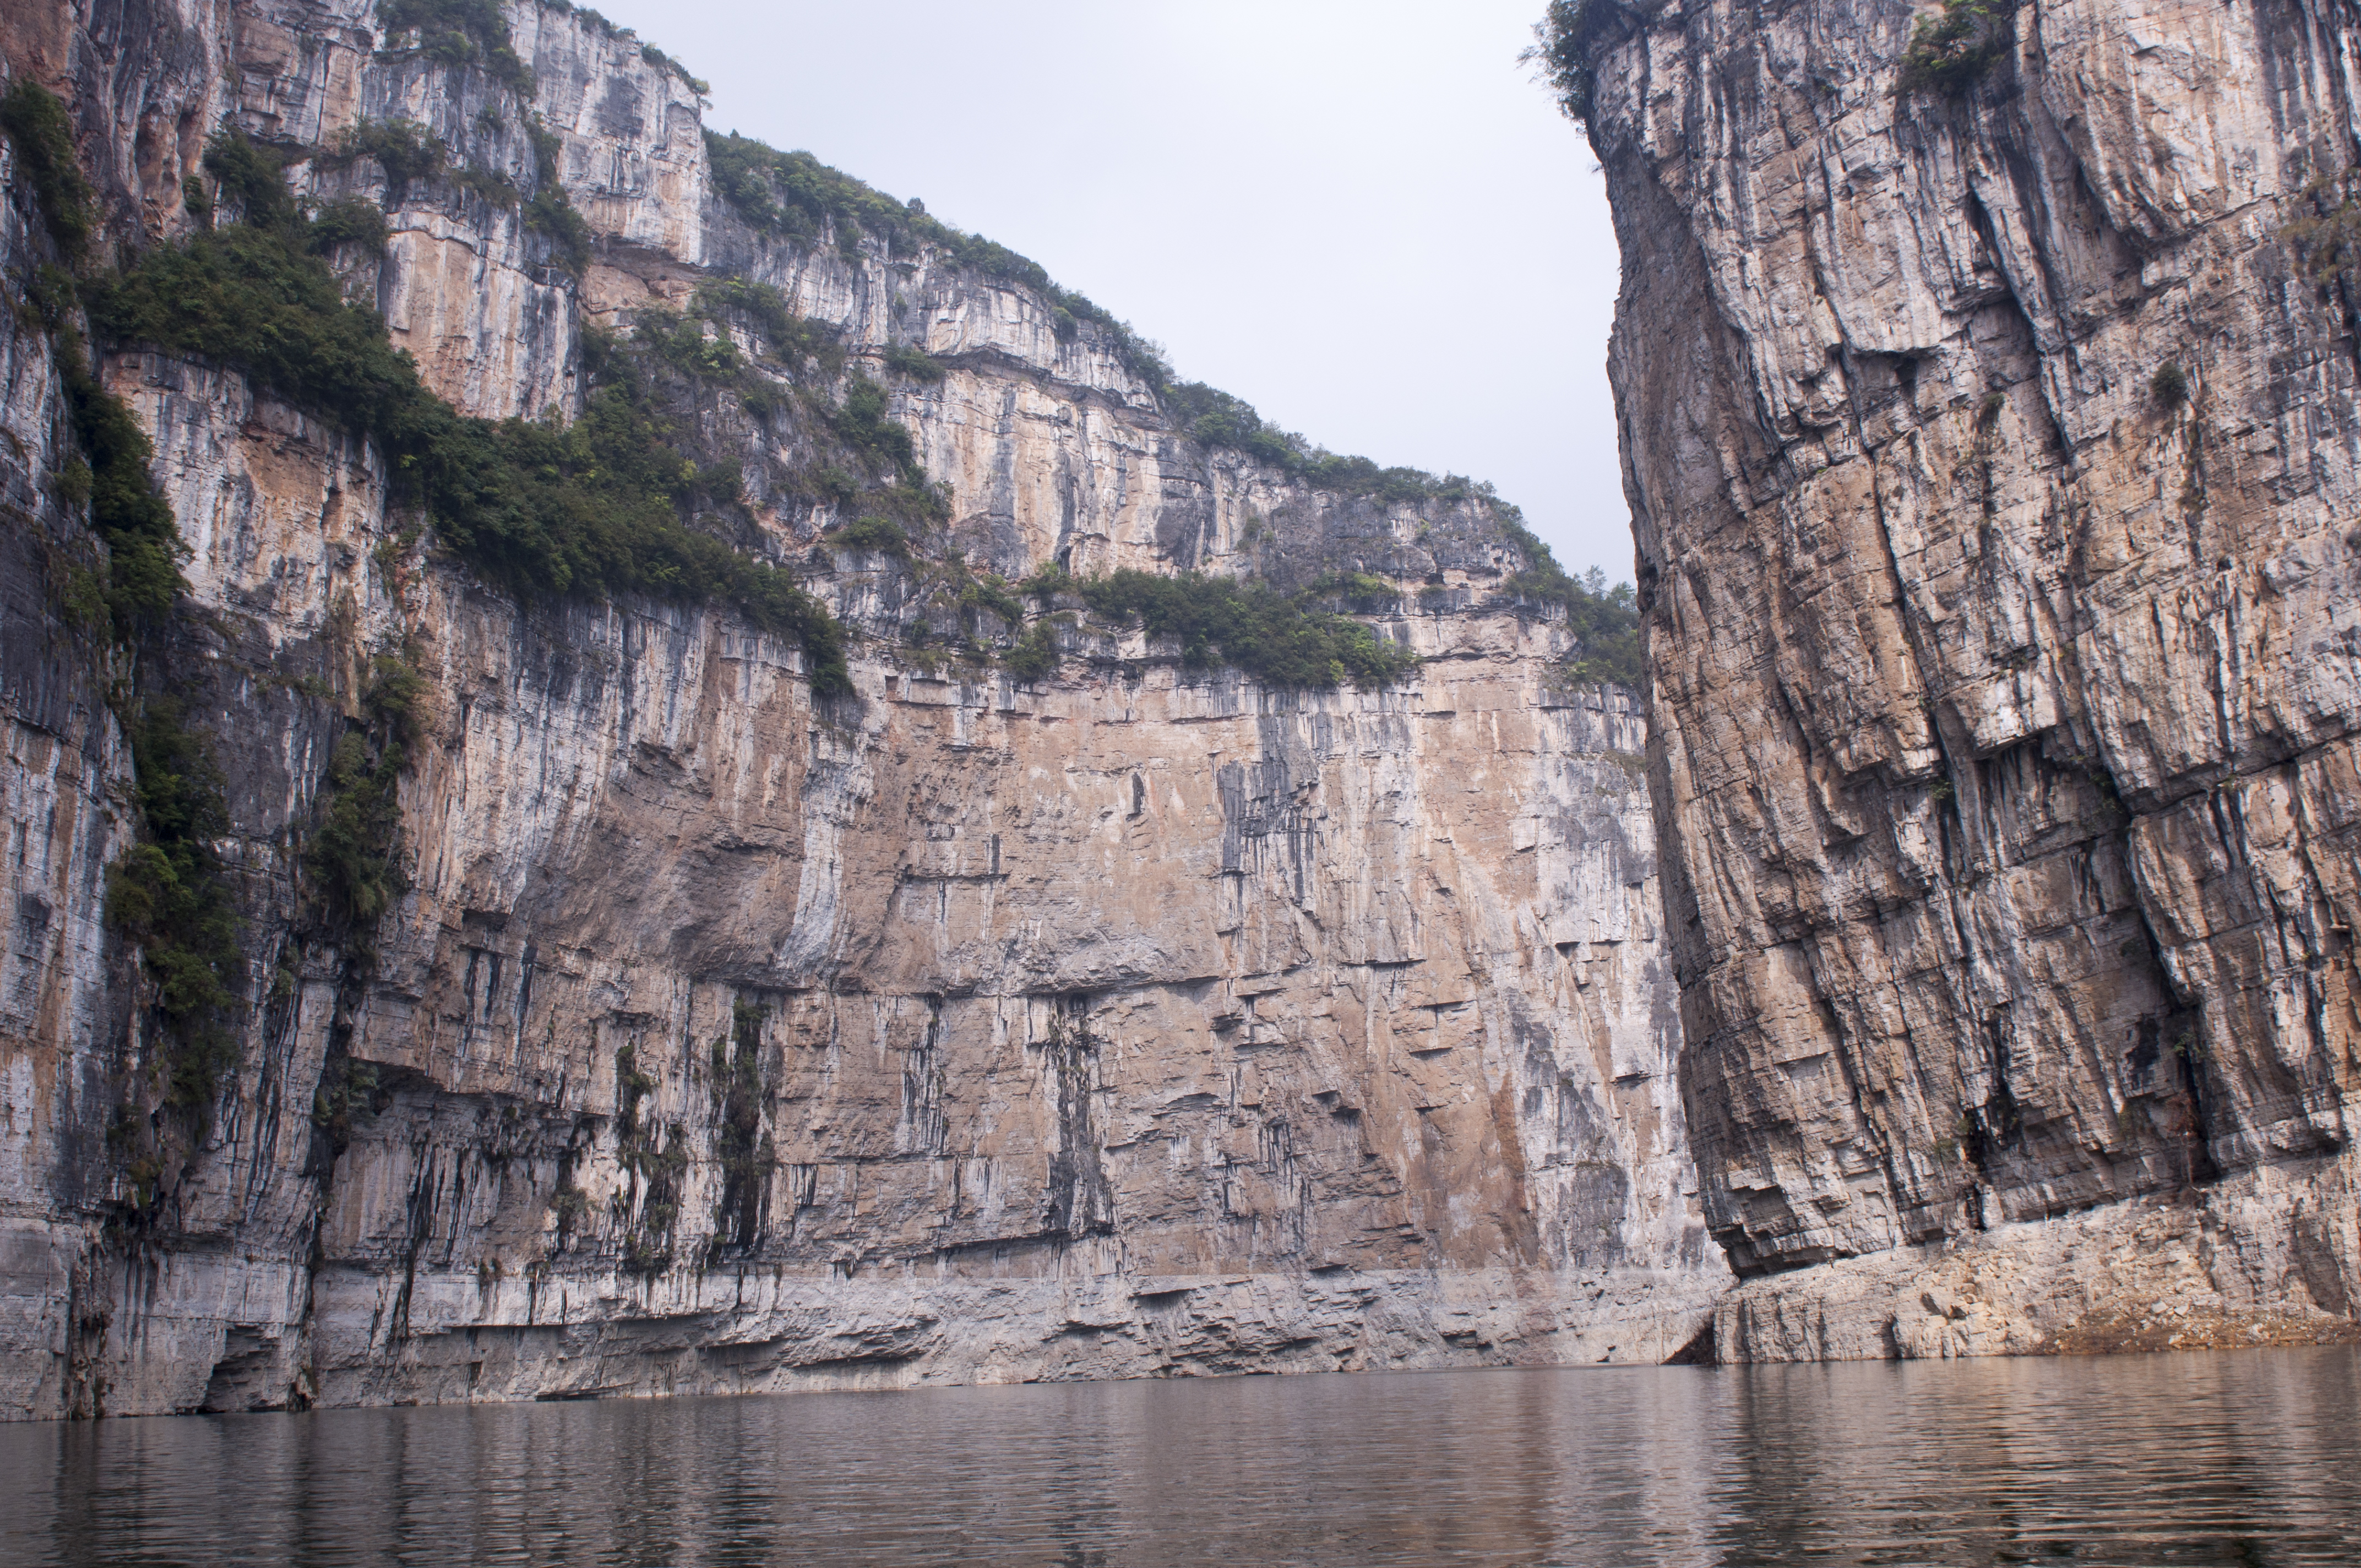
{"x":1364,"y":218}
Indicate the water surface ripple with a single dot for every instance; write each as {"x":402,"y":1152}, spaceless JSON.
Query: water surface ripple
{"x":2248,"y":1458}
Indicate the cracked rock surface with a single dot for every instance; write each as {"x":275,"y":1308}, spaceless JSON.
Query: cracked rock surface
{"x":1139,"y":1020}
{"x":1994,"y":461}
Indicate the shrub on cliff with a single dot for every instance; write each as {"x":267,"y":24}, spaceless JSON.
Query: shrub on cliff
{"x":353,"y":857}
{"x":406,"y":150}
{"x":353,"y":220}
{"x":143,"y":542}
{"x":1948,"y":54}
{"x":36,"y":123}
{"x":1251,"y":626}
{"x":1035,"y":657}
{"x":252,"y":178}
{"x":1563,"y":41}
{"x":905,"y":359}
{"x":795,"y":195}
{"x":551,"y":212}
{"x":765,"y":311}
{"x":1214,"y":418}
{"x":169,"y":894}
{"x":1356,"y":590}
{"x":590,"y":508}
{"x":991,"y":594}
{"x":662,"y":62}
{"x":1217,"y":419}
{"x":1606,"y":625}
{"x":456,"y":32}
{"x":681,"y":343}
{"x":1605,"y":621}
{"x":866,"y":426}
{"x":878,"y":535}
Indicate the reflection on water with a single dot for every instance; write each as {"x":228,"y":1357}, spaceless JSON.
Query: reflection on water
{"x":2248,"y":1458}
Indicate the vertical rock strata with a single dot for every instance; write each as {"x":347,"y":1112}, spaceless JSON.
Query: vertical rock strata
{"x":1994,"y":458}
{"x":1138,"y":1019}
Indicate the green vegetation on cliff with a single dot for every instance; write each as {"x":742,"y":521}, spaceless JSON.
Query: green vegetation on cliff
{"x":1562,"y":40}
{"x":1291,"y":640}
{"x":1275,"y":637}
{"x":765,"y":311}
{"x":551,"y":212}
{"x":1948,"y":53}
{"x":879,"y":535}
{"x":456,"y":32}
{"x":1604,"y":620}
{"x":795,"y":195}
{"x":588,"y":509}
{"x":353,"y":856}
{"x":1214,"y":418}
{"x":36,"y":123}
{"x":143,"y":542}
{"x":407,"y":151}
{"x":862,"y":459}
{"x":169,"y":894}
{"x":595,"y":507}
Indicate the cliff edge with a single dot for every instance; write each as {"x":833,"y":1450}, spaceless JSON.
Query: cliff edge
{"x":775,"y":806}
{"x":1987,"y":377}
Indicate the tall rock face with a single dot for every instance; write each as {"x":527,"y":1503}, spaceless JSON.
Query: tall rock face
{"x":1988,"y":394}
{"x":1138,"y":1017}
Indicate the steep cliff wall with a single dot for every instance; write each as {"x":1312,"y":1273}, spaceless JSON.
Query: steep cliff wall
{"x":1136,"y":1018}
{"x":1988,"y":391}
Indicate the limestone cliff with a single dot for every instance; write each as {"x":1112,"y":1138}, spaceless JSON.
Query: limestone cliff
{"x":1141,"y":1017}
{"x":1987,"y":377}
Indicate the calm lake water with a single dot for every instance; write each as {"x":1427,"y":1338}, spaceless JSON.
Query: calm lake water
{"x":2248,"y":1458}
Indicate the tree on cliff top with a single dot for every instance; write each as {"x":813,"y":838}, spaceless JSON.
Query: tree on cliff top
{"x":458,"y":32}
{"x":1563,"y":41}
{"x":796,"y":195}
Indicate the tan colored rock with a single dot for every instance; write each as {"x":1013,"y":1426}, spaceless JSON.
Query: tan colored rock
{"x":1140,"y":1021}
{"x":2002,"y":701}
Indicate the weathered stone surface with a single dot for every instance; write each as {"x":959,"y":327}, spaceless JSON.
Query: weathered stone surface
{"x":2253,"y":1261}
{"x":1139,"y":1020}
{"x":2004,"y":700}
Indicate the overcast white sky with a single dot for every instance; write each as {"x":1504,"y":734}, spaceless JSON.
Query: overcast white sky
{"x":1364,"y":218}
